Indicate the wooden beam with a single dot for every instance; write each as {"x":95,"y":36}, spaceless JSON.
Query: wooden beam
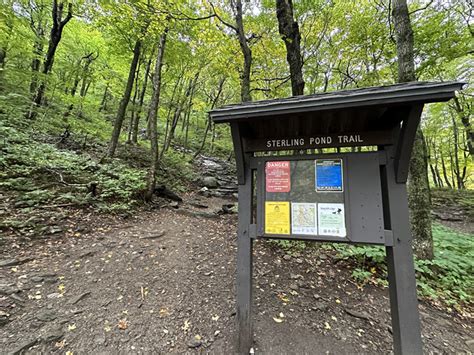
{"x":405,"y":143}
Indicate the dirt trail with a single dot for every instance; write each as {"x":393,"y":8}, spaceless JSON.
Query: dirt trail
{"x":163,"y":281}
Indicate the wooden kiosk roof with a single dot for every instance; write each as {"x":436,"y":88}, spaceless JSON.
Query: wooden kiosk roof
{"x":405,"y":94}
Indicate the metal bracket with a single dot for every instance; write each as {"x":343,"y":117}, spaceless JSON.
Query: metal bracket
{"x":388,"y":238}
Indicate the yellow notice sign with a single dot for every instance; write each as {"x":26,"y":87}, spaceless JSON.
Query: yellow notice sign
{"x":277,"y":217}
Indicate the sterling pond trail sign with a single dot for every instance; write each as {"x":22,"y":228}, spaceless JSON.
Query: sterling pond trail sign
{"x":352,"y":195}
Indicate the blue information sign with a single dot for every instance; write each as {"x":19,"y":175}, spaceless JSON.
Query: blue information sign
{"x":328,"y":175}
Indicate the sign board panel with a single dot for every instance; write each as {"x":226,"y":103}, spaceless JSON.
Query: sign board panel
{"x":353,"y":139}
{"x":277,"y":174}
{"x":329,"y":198}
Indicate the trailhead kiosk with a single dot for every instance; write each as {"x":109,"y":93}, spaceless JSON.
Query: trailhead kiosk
{"x":340,"y":176}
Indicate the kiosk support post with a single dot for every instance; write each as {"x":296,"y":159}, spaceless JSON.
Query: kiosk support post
{"x":400,"y":264}
{"x":244,"y":265}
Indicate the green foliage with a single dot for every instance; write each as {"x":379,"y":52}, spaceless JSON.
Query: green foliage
{"x":449,"y":277}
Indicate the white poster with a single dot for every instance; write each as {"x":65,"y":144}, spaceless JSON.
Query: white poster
{"x":303,"y":218}
{"x":331,"y":220}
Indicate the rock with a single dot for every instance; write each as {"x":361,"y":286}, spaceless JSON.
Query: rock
{"x":470,"y":345}
{"x":299,"y":261}
{"x":287,"y":257}
{"x":14,"y":262}
{"x":4,"y":318}
{"x":46,"y":316}
{"x":357,"y":314}
{"x":194,"y":343}
{"x":55,"y":230}
{"x":17,"y":298}
{"x":154,"y":236}
{"x":52,"y":335}
{"x":174,"y":204}
{"x":209,"y":182}
{"x":54,"y":295}
{"x":294,"y":287}
{"x":163,"y":191}
{"x":86,"y":253}
{"x":320,"y":307}
{"x":8,"y":289}
{"x":99,"y":340}
{"x":316,"y":296}
{"x":80,"y":297}
{"x":37,"y":278}
{"x":24,"y":346}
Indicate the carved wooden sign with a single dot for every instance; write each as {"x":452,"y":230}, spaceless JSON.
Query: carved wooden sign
{"x":319,"y":141}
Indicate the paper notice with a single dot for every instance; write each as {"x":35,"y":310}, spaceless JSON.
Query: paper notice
{"x":277,"y":176}
{"x":303,"y":218}
{"x":328,"y":175}
{"x":277,"y":217}
{"x":331,"y":220}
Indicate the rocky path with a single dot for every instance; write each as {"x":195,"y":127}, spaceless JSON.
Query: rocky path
{"x":163,"y":281}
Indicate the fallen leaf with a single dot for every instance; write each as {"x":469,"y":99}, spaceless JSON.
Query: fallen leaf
{"x":60,"y":344}
{"x":71,"y":327}
{"x":326,"y":325}
{"x":186,"y":325}
{"x":61,"y":287}
{"x":69,"y":353}
{"x":215,"y":318}
{"x":164,"y":312}
{"x":122,"y":324}
{"x":334,"y":318}
{"x":278,"y":320}
{"x":338,"y":301}
{"x":281,"y":315}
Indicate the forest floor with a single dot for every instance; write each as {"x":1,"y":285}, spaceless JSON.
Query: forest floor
{"x":163,"y":280}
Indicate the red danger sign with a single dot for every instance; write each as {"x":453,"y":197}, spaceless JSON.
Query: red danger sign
{"x":277,"y":176}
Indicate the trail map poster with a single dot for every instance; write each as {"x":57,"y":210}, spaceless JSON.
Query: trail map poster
{"x":303,"y":218}
{"x":331,"y":219}
{"x":277,"y":176}
{"x":277,"y":217}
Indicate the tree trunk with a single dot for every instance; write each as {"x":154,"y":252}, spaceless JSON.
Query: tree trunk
{"x":36,"y":64}
{"x":140,"y":103}
{"x":152,"y":118}
{"x":419,"y":196}
{"x":103,"y":103}
{"x":209,"y":121}
{"x":134,"y":104}
{"x":465,"y":119}
{"x":54,"y":39}
{"x":125,"y":99}
{"x":246,"y":51}
{"x":445,"y":172}
{"x":290,"y":34}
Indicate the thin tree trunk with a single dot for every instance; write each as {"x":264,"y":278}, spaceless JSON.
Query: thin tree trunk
{"x":134,"y":104}
{"x":290,"y":34}
{"x":125,"y":99}
{"x":152,"y":118}
{"x":465,"y":119}
{"x":209,"y":121}
{"x":103,"y":103}
{"x":140,"y":102}
{"x":419,"y":196}
{"x":445,"y":172}
{"x":54,"y":39}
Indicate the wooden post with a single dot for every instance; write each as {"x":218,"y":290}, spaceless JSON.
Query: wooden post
{"x":400,"y":264}
{"x":244,"y":266}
